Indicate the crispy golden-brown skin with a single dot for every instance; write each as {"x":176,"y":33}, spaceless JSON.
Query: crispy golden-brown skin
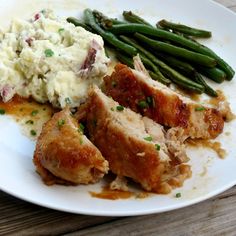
{"x":166,"y":107}
{"x":64,"y":155}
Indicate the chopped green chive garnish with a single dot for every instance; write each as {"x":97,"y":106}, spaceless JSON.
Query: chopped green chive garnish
{"x":149,"y":100}
{"x":2,"y":111}
{"x":81,"y":141}
{"x":143,"y":104}
{"x":48,"y":53}
{"x":67,"y":100}
{"x":61,"y":30}
{"x":29,"y":122}
{"x":158,"y":147}
{"x":149,"y":138}
{"x":112,"y":109}
{"x":119,"y":108}
{"x":34,"y":112}
{"x":81,"y":128}
{"x":33,"y":132}
{"x":113,"y":83}
{"x":199,"y":108}
{"x":177,"y":195}
{"x":60,"y":123}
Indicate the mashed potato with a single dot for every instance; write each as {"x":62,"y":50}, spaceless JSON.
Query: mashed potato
{"x":51,"y":60}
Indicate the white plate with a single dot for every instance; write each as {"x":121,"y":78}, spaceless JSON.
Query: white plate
{"x":17,"y":173}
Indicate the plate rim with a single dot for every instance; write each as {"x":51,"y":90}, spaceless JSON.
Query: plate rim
{"x":141,"y":211}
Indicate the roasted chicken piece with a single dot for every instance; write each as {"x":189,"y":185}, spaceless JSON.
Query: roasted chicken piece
{"x":134,"y":146}
{"x":64,"y":155}
{"x":136,"y":90}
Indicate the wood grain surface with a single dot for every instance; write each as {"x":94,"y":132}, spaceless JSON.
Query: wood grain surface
{"x":216,"y":216}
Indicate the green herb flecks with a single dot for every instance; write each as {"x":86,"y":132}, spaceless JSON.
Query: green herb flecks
{"x":113,"y":83}
{"x":67,"y":100}
{"x":60,"y":123}
{"x":33,"y":132}
{"x":178,"y":195}
{"x":61,"y":30}
{"x":30,"y":122}
{"x":149,"y":138}
{"x":158,"y":147}
{"x":150,"y":101}
{"x":2,"y":111}
{"x":200,"y":108}
{"x":143,"y":104}
{"x":81,"y":128}
{"x":81,"y":141}
{"x":34,"y":112}
{"x":119,"y":108}
{"x":48,"y":53}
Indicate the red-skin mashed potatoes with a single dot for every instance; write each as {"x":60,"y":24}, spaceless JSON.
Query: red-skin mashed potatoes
{"x":51,"y":60}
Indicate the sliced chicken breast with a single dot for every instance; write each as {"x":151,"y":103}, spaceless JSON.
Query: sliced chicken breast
{"x":136,"y":90}
{"x":64,"y":155}
{"x":134,"y":146}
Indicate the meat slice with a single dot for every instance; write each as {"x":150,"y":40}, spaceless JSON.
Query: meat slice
{"x":134,"y":146}
{"x":64,"y":155}
{"x":139,"y":92}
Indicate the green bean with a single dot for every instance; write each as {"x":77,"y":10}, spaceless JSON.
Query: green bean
{"x":147,"y":58}
{"x":125,"y":59}
{"x":105,"y":21}
{"x":208,"y":90}
{"x":159,"y":76}
{"x":181,"y":66}
{"x":174,"y":76}
{"x":177,"y":51}
{"x":106,"y":52}
{"x":214,"y":74}
{"x":185,"y":68}
{"x":107,"y":36}
{"x":77,"y":22}
{"x":148,"y":30}
{"x":181,"y":80}
{"x":185,"y":29}
{"x":131,"y":17}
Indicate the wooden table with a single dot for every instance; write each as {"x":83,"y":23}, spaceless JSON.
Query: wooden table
{"x":216,"y":216}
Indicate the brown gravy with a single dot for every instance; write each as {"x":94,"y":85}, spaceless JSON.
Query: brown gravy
{"x":221,"y":99}
{"x":216,"y":146}
{"x":215,"y":101}
{"x":22,"y":107}
{"x":109,"y":194}
{"x":193,"y":96}
{"x":28,"y":113}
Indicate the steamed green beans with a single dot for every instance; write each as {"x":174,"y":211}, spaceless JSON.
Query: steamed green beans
{"x":172,"y":74}
{"x":208,"y":90}
{"x":77,"y":22}
{"x":107,"y":36}
{"x":194,"y":57}
{"x":131,"y":17}
{"x":197,"y":47}
{"x":184,"y":29}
